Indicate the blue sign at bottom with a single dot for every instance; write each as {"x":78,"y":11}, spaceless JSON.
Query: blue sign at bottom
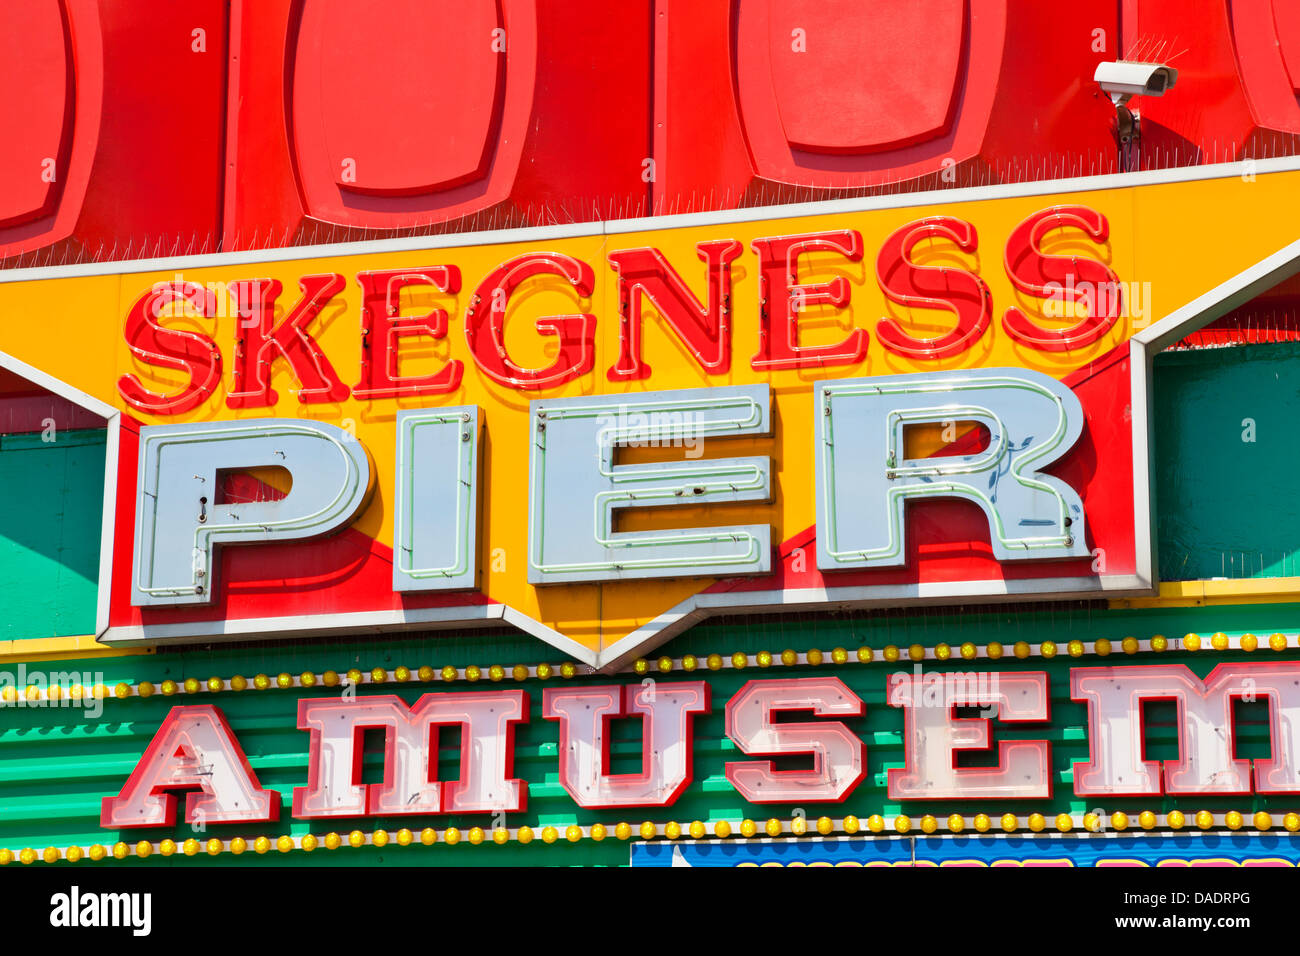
{"x":981,"y":850}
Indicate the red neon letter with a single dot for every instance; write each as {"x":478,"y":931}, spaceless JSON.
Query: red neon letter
{"x":194,"y":354}
{"x":1071,"y":280}
{"x":257,"y":344}
{"x":584,"y":714}
{"x":485,"y":322}
{"x":706,"y":331}
{"x":932,"y":736}
{"x":781,"y":300}
{"x":1206,"y":735}
{"x":839,"y":756}
{"x":382,"y":330}
{"x":932,"y":287}
{"x":193,"y":750}
{"x":334,"y":787}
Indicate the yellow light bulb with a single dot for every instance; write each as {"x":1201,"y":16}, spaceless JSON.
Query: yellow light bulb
{"x":1146,"y":819}
{"x":851,"y":824}
{"x":1129,"y":645}
{"x":598,"y":832}
{"x":1205,"y":819}
{"x":308,"y":842}
{"x":839,"y":655}
{"x":942,"y":652}
{"x":1037,"y":822}
{"x":356,"y":839}
{"x":428,"y":836}
{"x":875,"y":823}
{"x":1064,"y":823}
{"x":1020,"y":649}
{"x":1277,"y":642}
{"x":690,"y":662}
{"x":449,"y":674}
{"x":476,"y":836}
{"x":1101,"y":646}
{"x":665,"y":664}
{"x":697,"y":830}
{"x":814,"y":657}
{"x":238,"y":845}
{"x":377,"y":676}
{"x":648,"y":830}
{"x":623,"y":831}
{"x":916,"y":652}
{"x":1262,"y":820}
{"x":969,"y":651}
{"x":1075,"y":648}
{"x":1233,"y":819}
{"x":1159,"y":643}
{"x":500,"y":836}
{"x":714,"y":662}
{"x":1249,"y":642}
{"x":891,"y":653}
{"x":773,"y":827}
{"x":261,"y":844}
{"x":722,"y":829}
{"x":1047,"y":649}
{"x":1175,"y":819}
{"x":865,"y":654}
{"x":1192,"y":642}
{"x":379,"y":838}
{"x":982,"y":822}
{"x":284,"y":844}
{"x":748,"y":828}
{"x":956,"y":823}
{"x":550,"y":834}
{"x":929,"y":824}
{"x":825,"y":826}
{"x":1119,"y":820}
{"x":525,"y":835}
{"x":333,"y":841}
{"x":994,"y":650}
{"x":1010,"y":822}
{"x":1219,"y":641}
{"x":739,"y":660}
{"x":451,"y":836}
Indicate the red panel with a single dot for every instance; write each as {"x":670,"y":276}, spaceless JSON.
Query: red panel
{"x":121,"y":103}
{"x":816,"y":97}
{"x":878,"y":76}
{"x":345,"y":572}
{"x":1239,"y":72}
{"x":415,"y":144}
{"x":1286,"y":20}
{"x":424,"y":112}
{"x":35,"y":127}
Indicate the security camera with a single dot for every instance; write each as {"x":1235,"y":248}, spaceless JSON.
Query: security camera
{"x":1124,"y":80}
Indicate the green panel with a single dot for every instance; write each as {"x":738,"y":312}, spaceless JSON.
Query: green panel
{"x":57,"y":764}
{"x":52,"y":496}
{"x":1227,"y":507}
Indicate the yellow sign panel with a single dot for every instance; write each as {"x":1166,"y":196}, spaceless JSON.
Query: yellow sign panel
{"x":1019,"y":278}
